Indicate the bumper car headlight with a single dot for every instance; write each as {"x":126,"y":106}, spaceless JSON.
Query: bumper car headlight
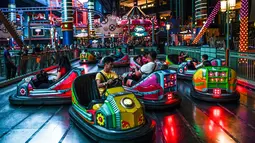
{"x":28,"y":79}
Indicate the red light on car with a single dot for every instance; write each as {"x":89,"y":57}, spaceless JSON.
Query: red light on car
{"x":171,"y":76}
{"x":165,"y":85}
{"x":164,"y":79}
{"x":211,"y":74}
{"x":217,"y":92}
{"x":170,"y":96}
{"x":181,"y":71}
{"x":223,"y":74}
{"x":185,"y":68}
{"x":216,"y":112}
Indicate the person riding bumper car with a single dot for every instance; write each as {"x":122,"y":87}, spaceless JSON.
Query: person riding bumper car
{"x":116,"y":117}
{"x":30,"y":91}
{"x":216,"y":84}
{"x":187,"y":69}
{"x":173,"y":60}
{"x":118,"y":62}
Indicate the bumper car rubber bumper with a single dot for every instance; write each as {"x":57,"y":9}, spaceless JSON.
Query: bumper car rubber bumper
{"x":184,"y":76}
{"x":48,"y":100}
{"x":162,"y":104}
{"x":145,"y":133}
{"x":209,"y":97}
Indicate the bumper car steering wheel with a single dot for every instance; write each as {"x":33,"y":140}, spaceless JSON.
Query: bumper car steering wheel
{"x":116,"y":82}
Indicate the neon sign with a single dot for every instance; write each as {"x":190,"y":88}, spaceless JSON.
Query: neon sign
{"x":139,"y":31}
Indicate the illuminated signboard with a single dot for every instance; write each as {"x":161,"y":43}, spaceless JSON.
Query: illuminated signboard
{"x":139,"y":32}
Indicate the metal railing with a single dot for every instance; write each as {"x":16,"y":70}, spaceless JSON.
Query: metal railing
{"x":34,"y":62}
{"x":242,"y":63}
{"x":134,"y":50}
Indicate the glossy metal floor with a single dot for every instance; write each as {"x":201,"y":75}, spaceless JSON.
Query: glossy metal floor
{"x":193,"y":122}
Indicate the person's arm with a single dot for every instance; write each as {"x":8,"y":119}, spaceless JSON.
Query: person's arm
{"x":58,"y":76}
{"x":99,"y":81}
{"x":199,"y":65}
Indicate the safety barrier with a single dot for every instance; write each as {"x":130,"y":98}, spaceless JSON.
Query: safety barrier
{"x":242,"y":63}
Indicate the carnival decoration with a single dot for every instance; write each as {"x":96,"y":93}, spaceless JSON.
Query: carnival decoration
{"x":207,"y":23}
{"x":108,"y":25}
{"x":137,"y":17}
{"x":39,"y":16}
{"x":244,"y":26}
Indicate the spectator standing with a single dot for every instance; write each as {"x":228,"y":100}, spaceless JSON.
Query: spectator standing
{"x":9,"y":65}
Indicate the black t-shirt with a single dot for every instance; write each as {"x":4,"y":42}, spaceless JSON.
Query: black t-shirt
{"x":7,"y":56}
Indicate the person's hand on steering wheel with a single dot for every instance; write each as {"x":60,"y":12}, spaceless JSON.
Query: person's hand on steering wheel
{"x":109,"y":81}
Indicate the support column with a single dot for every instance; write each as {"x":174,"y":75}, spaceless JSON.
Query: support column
{"x":12,"y":8}
{"x":90,"y":14}
{"x":21,"y":25}
{"x":67,"y":22}
{"x":85,"y":18}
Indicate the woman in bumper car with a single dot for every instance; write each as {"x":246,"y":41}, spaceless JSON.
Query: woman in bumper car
{"x":64,"y":66}
{"x":181,"y":57}
{"x":106,"y":76}
{"x":133,"y":77}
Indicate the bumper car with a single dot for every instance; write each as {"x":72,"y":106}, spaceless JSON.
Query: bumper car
{"x":172,"y":61}
{"x":187,"y":69}
{"x":215,"y":84}
{"x":122,"y":62}
{"x":58,"y":92}
{"x":158,"y":90}
{"x":87,"y":58}
{"x":117,"y":117}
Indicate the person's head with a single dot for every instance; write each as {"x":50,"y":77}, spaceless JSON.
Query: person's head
{"x":119,"y":49}
{"x":204,"y":57}
{"x":64,"y":63}
{"x":108,"y":64}
{"x":152,"y":56}
{"x":139,"y":59}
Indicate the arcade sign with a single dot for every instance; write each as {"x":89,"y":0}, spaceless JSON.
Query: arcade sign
{"x":139,"y":31}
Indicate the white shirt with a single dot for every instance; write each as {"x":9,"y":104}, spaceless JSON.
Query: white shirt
{"x":148,"y":68}
{"x":199,"y":65}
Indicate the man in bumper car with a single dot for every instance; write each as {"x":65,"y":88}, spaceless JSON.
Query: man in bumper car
{"x":205,"y":62}
{"x":118,"y":55}
{"x":105,"y":76}
{"x":133,"y":77}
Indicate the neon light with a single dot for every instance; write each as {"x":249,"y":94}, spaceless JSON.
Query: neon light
{"x":243,"y":26}
{"x":208,"y":22}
